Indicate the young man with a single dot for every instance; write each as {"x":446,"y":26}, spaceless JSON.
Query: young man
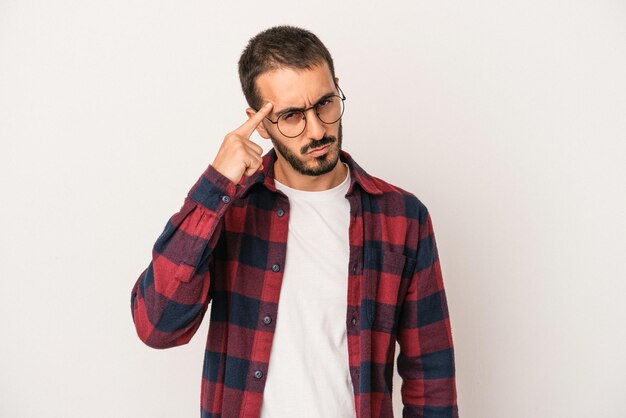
{"x":313,"y":267}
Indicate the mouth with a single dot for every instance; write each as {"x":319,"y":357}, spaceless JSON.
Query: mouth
{"x":319,"y":151}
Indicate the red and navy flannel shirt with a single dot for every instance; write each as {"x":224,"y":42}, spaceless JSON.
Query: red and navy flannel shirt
{"x":227,"y":245}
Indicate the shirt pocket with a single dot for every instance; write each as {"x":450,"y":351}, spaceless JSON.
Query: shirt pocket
{"x":383,"y":276}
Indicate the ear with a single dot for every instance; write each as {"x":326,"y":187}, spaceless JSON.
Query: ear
{"x":337,"y":80}
{"x":261,"y":127}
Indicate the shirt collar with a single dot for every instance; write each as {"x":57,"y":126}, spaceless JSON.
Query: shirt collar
{"x":266,"y":176}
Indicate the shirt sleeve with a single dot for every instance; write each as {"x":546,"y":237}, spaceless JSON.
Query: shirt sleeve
{"x":171,"y":295}
{"x":426,"y":359}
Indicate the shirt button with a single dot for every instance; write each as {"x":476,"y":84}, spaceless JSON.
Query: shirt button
{"x":275,"y":268}
{"x":225,"y":198}
{"x":353,"y":321}
{"x":280,"y":212}
{"x":258,"y":374}
{"x":354,"y":269}
{"x":267,"y":320}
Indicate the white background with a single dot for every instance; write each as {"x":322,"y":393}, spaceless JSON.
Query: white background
{"x":507,"y":119}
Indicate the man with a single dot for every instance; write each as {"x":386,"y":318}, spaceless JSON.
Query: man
{"x":313,"y":267}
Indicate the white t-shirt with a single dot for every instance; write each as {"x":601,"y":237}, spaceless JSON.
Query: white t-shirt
{"x":308,"y":373}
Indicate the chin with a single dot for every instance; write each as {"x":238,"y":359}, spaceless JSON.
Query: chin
{"x":309,"y":165}
{"x":325,"y":163}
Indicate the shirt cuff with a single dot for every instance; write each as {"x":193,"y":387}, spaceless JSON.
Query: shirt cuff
{"x":213,"y":190}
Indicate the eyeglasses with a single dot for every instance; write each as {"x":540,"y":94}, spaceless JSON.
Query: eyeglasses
{"x":329,"y":110}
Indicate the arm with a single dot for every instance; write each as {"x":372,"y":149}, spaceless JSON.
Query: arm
{"x":426,"y":360}
{"x":171,"y":295}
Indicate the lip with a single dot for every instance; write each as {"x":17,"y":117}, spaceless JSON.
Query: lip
{"x":320,"y":151}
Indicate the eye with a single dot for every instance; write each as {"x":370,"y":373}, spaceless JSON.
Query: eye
{"x":290,"y":116}
{"x":294,"y":117}
{"x":325,"y":102}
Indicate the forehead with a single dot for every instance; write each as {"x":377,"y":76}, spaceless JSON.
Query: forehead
{"x":295,"y":87}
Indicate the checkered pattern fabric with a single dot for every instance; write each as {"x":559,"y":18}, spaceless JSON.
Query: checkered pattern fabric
{"x":226,"y":247}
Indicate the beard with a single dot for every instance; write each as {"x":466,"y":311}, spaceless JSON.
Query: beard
{"x":323,"y":163}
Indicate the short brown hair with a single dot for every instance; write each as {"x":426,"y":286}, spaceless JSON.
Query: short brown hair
{"x":279,"y":47}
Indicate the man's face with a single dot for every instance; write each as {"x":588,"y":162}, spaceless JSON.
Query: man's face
{"x":289,"y":88}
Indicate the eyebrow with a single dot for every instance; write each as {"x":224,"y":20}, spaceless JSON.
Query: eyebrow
{"x":295,"y":109}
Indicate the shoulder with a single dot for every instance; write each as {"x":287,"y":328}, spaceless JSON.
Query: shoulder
{"x":399,"y":201}
{"x":386,"y":198}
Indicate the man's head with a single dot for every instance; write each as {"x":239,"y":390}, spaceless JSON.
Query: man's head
{"x":292,"y":69}
{"x":275,"y":48}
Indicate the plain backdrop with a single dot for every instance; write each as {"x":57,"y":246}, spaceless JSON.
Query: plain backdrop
{"x":507,"y":119}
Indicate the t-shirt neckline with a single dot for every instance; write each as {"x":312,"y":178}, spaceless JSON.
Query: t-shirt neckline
{"x":338,"y":191}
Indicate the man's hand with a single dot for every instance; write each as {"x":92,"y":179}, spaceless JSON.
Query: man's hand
{"x":238,"y":155}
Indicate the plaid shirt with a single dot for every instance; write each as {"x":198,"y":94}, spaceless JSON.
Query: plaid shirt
{"x":227,"y":244}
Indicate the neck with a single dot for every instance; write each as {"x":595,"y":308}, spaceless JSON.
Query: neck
{"x":285,"y":174}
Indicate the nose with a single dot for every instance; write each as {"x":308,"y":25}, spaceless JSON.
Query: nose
{"x":315,"y":128}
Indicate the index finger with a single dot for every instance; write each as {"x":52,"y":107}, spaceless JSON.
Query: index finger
{"x":250,"y":125}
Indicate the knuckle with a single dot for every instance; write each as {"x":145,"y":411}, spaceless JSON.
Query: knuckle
{"x":236,"y":145}
{"x":240,"y":152}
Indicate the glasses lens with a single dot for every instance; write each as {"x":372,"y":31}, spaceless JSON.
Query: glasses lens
{"x":291,"y":124}
{"x":330,"y":110}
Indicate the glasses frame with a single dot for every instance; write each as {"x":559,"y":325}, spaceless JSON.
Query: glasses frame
{"x":303,"y":111}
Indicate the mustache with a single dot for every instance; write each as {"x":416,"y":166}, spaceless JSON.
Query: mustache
{"x":318,"y":144}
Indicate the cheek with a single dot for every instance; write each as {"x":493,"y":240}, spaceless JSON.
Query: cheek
{"x":292,"y":149}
